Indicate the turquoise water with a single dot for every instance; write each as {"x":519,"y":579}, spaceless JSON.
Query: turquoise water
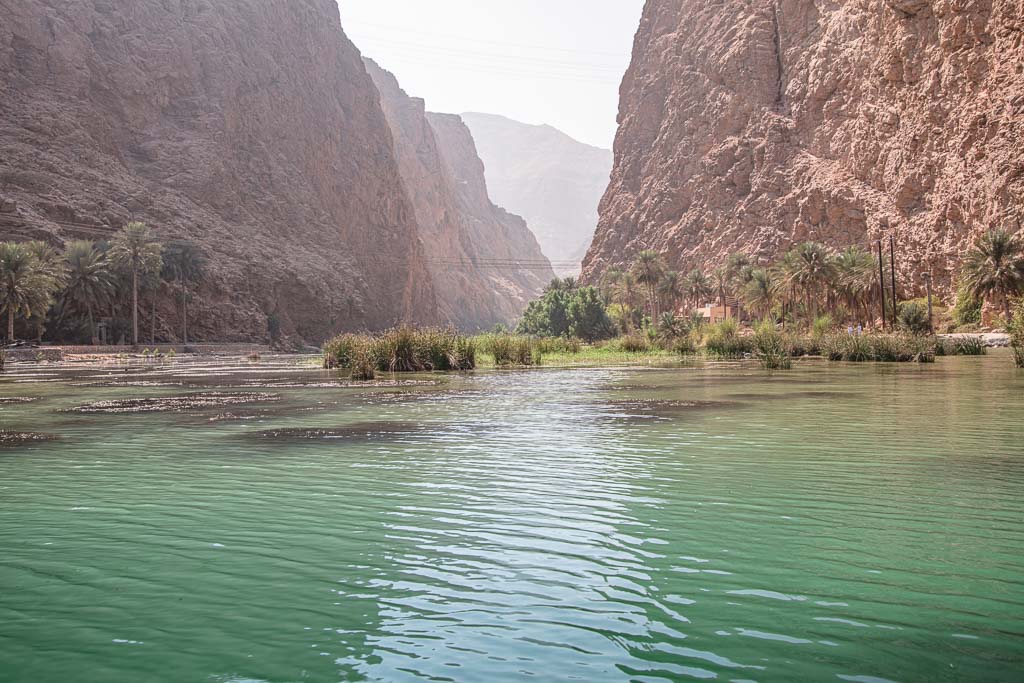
{"x":710,"y":522}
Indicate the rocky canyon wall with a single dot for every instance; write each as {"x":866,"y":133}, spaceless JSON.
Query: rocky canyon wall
{"x":473,"y":248}
{"x":250,"y":127}
{"x":748,"y":126}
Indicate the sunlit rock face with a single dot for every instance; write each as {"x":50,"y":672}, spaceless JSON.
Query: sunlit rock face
{"x":750,"y":126}
{"x":485,"y":263}
{"x":250,"y":127}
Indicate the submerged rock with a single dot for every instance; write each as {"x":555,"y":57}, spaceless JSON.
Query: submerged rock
{"x":9,"y":439}
{"x":361,"y":431}
{"x":172,"y":403}
{"x":666,"y":409}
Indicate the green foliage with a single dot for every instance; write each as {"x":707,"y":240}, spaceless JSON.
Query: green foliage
{"x":587,"y":317}
{"x":510,"y":350}
{"x":960,"y":346}
{"x":27,"y":283}
{"x":723,"y":340}
{"x":1016,"y":329}
{"x":631,"y":343}
{"x":551,"y":345}
{"x":772,"y":348}
{"x":822,"y":326}
{"x":402,"y":349}
{"x":562,"y":311}
{"x":913,"y":318}
{"x":3,"y":358}
{"x":995,"y":268}
{"x":882,"y":348}
{"x":967,"y":310}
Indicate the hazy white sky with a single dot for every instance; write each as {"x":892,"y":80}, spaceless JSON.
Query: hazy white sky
{"x":539,"y":61}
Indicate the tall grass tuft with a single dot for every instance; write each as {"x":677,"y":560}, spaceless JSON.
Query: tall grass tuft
{"x":773,"y":349}
{"x":723,"y":340}
{"x":1016,"y":329}
{"x":960,"y":346}
{"x":632,"y":343}
{"x":882,"y":348}
{"x":402,"y":349}
{"x":511,"y":350}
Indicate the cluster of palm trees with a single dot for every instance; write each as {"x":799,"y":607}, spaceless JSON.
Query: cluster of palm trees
{"x":808,"y":278}
{"x":87,"y":277}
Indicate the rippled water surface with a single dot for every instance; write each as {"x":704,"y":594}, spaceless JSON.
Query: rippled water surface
{"x":833,"y":522}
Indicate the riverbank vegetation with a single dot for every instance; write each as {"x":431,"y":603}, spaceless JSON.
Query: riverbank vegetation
{"x":402,"y":349}
{"x":790,"y":308}
{"x":93,"y":289}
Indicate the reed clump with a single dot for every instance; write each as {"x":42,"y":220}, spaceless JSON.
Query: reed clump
{"x":960,"y":346}
{"x":1016,"y":329}
{"x":402,"y":349}
{"x":880,"y":348}
{"x":723,"y":340}
{"x":774,"y":350}
{"x":512,"y":350}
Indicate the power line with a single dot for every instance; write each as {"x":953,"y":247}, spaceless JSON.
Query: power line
{"x":391,"y":29}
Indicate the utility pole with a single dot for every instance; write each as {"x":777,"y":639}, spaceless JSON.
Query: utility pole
{"x":881,"y":282}
{"x":928,"y":285}
{"x":892,"y":267}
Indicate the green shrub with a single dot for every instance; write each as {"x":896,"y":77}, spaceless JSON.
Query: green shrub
{"x":363,"y":364}
{"x":632,"y":343}
{"x":338,"y":352}
{"x":772,"y":347}
{"x":723,"y":340}
{"x":683,"y":345}
{"x":550,"y":345}
{"x":882,"y":348}
{"x":967,"y":310}
{"x":511,"y":350}
{"x":402,"y":349}
{"x":913,"y":317}
{"x":822,"y":326}
{"x":1016,"y":329}
{"x":964,"y":346}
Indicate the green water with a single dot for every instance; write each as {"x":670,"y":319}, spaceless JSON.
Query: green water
{"x":834,"y":522}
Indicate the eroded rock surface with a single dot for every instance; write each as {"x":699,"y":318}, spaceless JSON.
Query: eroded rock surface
{"x":751,"y":126}
{"x":463,"y":232}
{"x":250,"y":127}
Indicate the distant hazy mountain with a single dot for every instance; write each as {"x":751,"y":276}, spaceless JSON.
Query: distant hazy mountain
{"x":542,"y":174}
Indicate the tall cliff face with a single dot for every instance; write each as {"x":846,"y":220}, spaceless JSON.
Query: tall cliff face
{"x":471,"y":245}
{"x":498,"y":237}
{"x":552,"y":180}
{"x":249,"y":127}
{"x":750,"y":126}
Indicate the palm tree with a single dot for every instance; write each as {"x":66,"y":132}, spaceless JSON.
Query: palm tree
{"x":183,"y":263}
{"x":648,"y":269}
{"x":738,"y":269}
{"x":856,"y":278}
{"x":134,"y":250}
{"x":807,"y":269}
{"x":670,"y":287}
{"x":610,"y":282}
{"x":51,"y":263}
{"x":761,"y":292}
{"x":626,"y":293}
{"x":697,"y":288}
{"x":720,"y":281}
{"x":90,"y":281}
{"x":26,"y":285}
{"x":995,"y":268}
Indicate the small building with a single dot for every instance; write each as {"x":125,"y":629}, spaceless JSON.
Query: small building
{"x":716,"y":313}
